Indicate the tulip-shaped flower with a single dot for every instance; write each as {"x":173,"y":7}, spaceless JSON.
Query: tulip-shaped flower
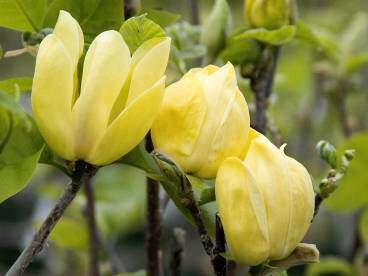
{"x":269,"y":14}
{"x":110,"y":109}
{"x":203,"y":120}
{"x":266,"y":202}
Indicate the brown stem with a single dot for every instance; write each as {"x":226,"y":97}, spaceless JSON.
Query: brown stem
{"x":153,"y":233}
{"x":261,"y":84}
{"x":220,"y":247}
{"x":177,"y":251}
{"x":194,"y":12}
{"x":191,"y":205}
{"x":80,"y":175}
{"x":94,"y":239}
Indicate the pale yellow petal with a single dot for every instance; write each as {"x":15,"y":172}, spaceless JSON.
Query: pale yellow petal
{"x":149,"y":65}
{"x":70,"y":33}
{"x":177,"y":126}
{"x":242,"y":211}
{"x":130,"y":127}
{"x":105,"y":70}
{"x":52,"y":94}
{"x":271,"y":173}
{"x":231,"y":136}
{"x":302,"y":203}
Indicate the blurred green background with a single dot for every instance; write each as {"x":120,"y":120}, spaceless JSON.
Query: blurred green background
{"x":305,"y":108}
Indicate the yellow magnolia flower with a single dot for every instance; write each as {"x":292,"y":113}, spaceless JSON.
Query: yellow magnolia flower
{"x":269,"y":14}
{"x":266,"y":202}
{"x":107,"y":113}
{"x":203,"y":120}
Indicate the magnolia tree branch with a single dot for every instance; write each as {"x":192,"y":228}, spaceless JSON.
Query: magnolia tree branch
{"x":153,"y":233}
{"x":82,"y":172}
{"x":261,"y":81}
{"x":94,"y":239}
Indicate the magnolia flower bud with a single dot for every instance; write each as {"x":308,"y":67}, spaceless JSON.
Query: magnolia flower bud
{"x":203,"y":120}
{"x":266,"y":202}
{"x":269,"y":14}
{"x":115,"y":105}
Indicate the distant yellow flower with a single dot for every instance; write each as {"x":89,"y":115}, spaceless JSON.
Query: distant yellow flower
{"x":107,"y":113}
{"x":266,"y":202}
{"x":269,"y":14}
{"x":203,"y":120}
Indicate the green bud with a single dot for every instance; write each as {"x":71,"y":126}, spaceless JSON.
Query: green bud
{"x":268,"y":14}
{"x":328,"y":153}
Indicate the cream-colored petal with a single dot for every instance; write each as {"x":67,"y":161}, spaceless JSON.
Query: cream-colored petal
{"x":70,"y":33}
{"x":242,"y":211}
{"x":302,"y":203}
{"x":52,"y":94}
{"x":230,"y":138}
{"x":178,"y":124}
{"x":130,"y":127}
{"x":105,"y":70}
{"x":271,"y":173}
{"x":149,"y":63}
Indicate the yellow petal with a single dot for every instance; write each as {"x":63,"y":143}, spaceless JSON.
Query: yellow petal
{"x":105,"y":70}
{"x":70,"y":33}
{"x":177,"y":126}
{"x":270,"y":171}
{"x":302,"y":203}
{"x":242,"y":211}
{"x":231,"y":136}
{"x":52,"y":95}
{"x":149,"y":63}
{"x":130,"y":127}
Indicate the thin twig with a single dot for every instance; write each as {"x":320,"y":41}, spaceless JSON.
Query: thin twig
{"x":177,"y":250}
{"x":342,"y":109}
{"x":220,"y":247}
{"x":153,"y":233}
{"x":261,"y":82}
{"x":194,"y":12}
{"x":94,"y":239}
{"x":190,"y":204}
{"x":81,"y":173}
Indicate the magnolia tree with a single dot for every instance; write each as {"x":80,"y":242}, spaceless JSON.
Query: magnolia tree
{"x":116,"y":83}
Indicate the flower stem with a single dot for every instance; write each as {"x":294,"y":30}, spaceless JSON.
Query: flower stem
{"x":80,"y":175}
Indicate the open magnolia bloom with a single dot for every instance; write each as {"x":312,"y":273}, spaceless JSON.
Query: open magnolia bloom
{"x":269,"y":14}
{"x":203,"y":120}
{"x":119,"y":95}
{"x":266,"y":202}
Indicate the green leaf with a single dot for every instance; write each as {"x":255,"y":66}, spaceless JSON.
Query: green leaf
{"x":139,"y":29}
{"x":71,"y":234}
{"x":319,"y":40}
{"x":240,"y":51}
{"x":15,"y":85}
{"x":216,"y":28}
{"x":355,"y":180}
{"x":274,"y":37}
{"x":22,"y":15}
{"x":162,"y":17}
{"x":330,"y":266}
{"x":363,"y":227}
{"x":20,"y":150}
{"x":356,"y":62}
{"x":108,"y":15}
{"x":137,"y":273}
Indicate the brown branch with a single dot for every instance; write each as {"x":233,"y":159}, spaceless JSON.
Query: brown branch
{"x":80,"y":175}
{"x":190,"y":204}
{"x":177,"y":250}
{"x":261,"y":82}
{"x":94,"y":239}
{"x":220,"y":247}
{"x":194,"y":12}
{"x":153,"y":233}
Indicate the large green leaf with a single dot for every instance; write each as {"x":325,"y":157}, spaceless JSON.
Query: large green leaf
{"x":274,"y":37}
{"x":216,"y":28}
{"x":22,"y":15}
{"x":162,"y":17}
{"x":15,"y":85}
{"x":353,"y":189}
{"x":21,"y":146}
{"x":139,"y":29}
